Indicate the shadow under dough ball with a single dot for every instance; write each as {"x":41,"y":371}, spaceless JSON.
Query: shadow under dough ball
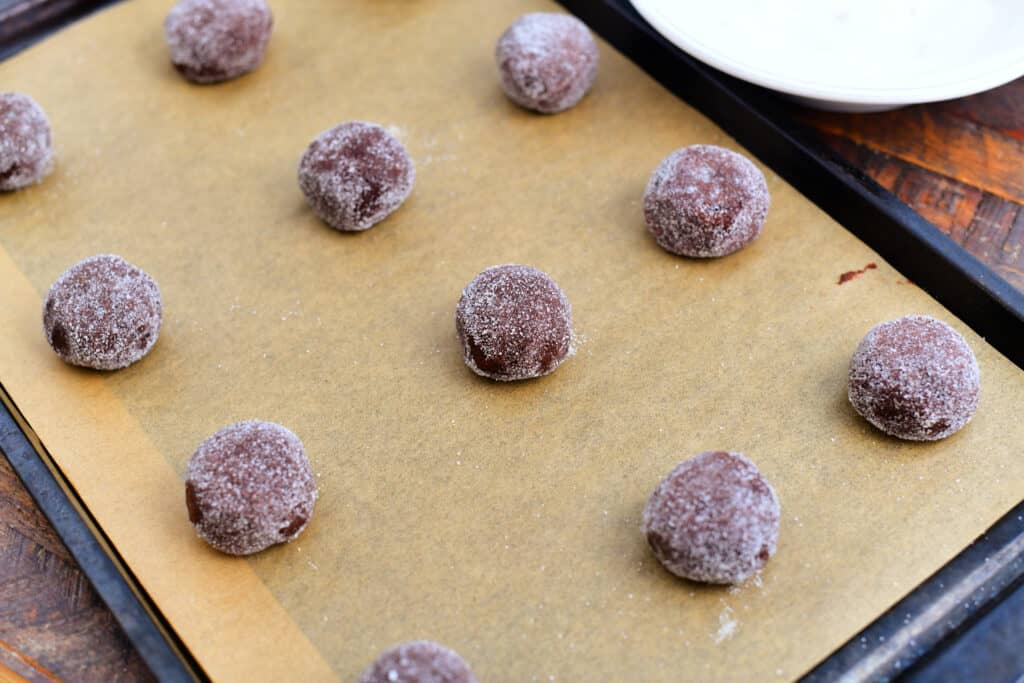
{"x":915,"y":378}
{"x":514,"y":323}
{"x":216,"y":40}
{"x":418,"y":661}
{"x":26,"y":153}
{"x":705,"y":201}
{"x":714,"y":518}
{"x":355,"y":175}
{"x":547,"y":61}
{"x":102,"y":313}
{"x":249,"y":486}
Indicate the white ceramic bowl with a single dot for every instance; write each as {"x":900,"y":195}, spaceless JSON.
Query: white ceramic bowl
{"x":851,"y":55}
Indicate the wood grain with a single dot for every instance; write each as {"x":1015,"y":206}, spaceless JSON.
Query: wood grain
{"x":928,"y":137}
{"x":1001,"y":109}
{"x":945,"y":202}
{"x":53,"y":626}
{"x":8,"y":675}
{"x":955,"y":163}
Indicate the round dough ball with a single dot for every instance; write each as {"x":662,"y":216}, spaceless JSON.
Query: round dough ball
{"x":102,"y":313}
{"x":418,"y":661}
{"x":26,"y":154}
{"x":216,"y":40}
{"x":354,"y":175}
{"x":915,"y":378}
{"x":705,"y":201}
{"x":514,"y":322}
{"x":714,"y":518}
{"x":547,"y":61}
{"x":248,"y":487}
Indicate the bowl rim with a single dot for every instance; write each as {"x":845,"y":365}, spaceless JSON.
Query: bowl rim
{"x":992,"y":72}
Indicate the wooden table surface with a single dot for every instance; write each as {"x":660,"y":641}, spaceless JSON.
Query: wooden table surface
{"x":52,"y":624}
{"x":956,"y":163}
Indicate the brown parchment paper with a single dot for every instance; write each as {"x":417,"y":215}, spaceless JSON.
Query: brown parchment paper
{"x":499,"y":519}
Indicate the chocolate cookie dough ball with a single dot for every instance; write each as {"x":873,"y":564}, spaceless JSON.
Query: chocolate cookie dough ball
{"x":102,"y":313}
{"x":514,"y":322}
{"x":714,"y":518}
{"x":418,"y":661}
{"x":248,"y":487}
{"x":547,"y":61}
{"x":217,"y":40}
{"x":915,"y":378}
{"x":354,"y":175}
{"x":25,"y":150}
{"x":705,"y":201}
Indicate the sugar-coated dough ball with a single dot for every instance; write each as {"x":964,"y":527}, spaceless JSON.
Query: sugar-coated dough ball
{"x":102,"y":313}
{"x":26,"y":154}
{"x":249,"y":486}
{"x":915,"y":378}
{"x":514,"y":322}
{"x":714,"y":518}
{"x":705,"y":201}
{"x":355,"y":174}
{"x":547,"y":61}
{"x":418,"y":661}
{"x":217,"y":40}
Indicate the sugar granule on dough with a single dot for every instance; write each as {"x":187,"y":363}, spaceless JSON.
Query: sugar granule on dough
{"x":102,"y":313}
{"x":714,"y":518}
{"x":250,"y":486}
{"x":26,"y":153}
{"x":547,"y":61}
{"x":915,"y":378}
{"x":418,"y":661}
{"x":705,"y":201}
{"x":514,"y":322}
{"x":210,"y":41}
{"x":355,"y":175}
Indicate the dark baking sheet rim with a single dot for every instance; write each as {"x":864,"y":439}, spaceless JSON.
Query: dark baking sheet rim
{"x":919,"y":628}
{"x":23,"y":22}
{"x":143,"y":624}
